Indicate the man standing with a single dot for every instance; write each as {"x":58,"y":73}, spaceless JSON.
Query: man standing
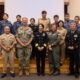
{"x":72,"y":46}
{"x":6,"y":22}
{"x":24,"y":38}
{"x":7,"y":43}
{"x":67,"y":22}
{"x":45,"y":21}
{"x":17,"y":24}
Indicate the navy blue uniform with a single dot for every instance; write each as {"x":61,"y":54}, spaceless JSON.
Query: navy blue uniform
{"x":72,"y":46}
{"x":16,"y":25}
{"x":6,"y":23}
{"x":41,"y":40}
{"x":34,"y":29}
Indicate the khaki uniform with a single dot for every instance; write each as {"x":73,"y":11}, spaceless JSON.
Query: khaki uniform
{"x":7,"y":40}
{"x":24,"y":53}
{"x":62,"y":33}
{"x":45,"y":22}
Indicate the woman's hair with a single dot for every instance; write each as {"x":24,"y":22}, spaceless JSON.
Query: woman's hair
{"x":62,"y":23}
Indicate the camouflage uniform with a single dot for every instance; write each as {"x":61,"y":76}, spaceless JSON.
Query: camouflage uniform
{"x":24,"y":53}
{"x":54,"y":53}
{"x":7,"y":40}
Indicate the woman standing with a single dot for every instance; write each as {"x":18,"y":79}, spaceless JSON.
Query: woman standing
{"x":53,"y":46}
{"x":62,"y":32}
{"x":41,"y":40}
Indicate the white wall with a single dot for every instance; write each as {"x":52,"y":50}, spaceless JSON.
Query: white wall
{"x":33,"y":8}
{"x":74,"y":8}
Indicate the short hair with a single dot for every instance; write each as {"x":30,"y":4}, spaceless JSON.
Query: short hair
{"x":6,"y":14}
{"x":32,"y":19}
{"x":44,"y":12}
{"x":77,"y":17}
{"x":18,"y":16}
{"x":62,"y":22}
{"x":67,"y":14}
{"x":41,"y":25}
{"x":56,"y":16}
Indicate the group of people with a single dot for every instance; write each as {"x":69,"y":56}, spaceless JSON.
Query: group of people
{"x":59,"y":40}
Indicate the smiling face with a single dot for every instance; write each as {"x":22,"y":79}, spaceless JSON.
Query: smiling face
{"x":54,"y":28}
{"x":41,"y":28}
{"x":7,"y":29}
{"x":24,"y":21}
{"x":73,"y":26}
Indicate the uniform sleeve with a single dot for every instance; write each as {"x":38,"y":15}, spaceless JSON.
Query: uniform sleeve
{"x":57,"y":40}
{"x":46,"y":39}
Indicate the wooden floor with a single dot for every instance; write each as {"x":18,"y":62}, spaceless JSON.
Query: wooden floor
{"x":64,"y":68}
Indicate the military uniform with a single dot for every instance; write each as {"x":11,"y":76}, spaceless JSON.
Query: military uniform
{"x":54,"y":55}
{"x":72,"y":46}
{"x":46,"y":23}
{"x":7,"y":40}
{"x":16,"y":25}
{"x":6,"y":23}
{"x":41,"y":40}
{"x":62,"y":32}
{"x":34,"y":29}
{"x":24,"y":53}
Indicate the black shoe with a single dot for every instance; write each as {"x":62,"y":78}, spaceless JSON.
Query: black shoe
{"x":56,"y":73}
{"x":43,"y":74}
{"x":12,"y":74}
{"x":3,"y":75}
{"x":71,"y":74}
{"x":76,"y":75}
{"x":38,"y":74}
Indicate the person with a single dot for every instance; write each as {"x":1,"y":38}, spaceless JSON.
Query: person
{"x":6,"y":22}
{"x":53,"y":47}
{"x":41,"y":40}
{"x":34,"y":28}
{"x":17,"y":24}
{"x":45,"y":21}
{"x":56,"y":19}
{"x":7,"y":43}
{"x":62,"y":32}
{"x":67,"y":21}
{"x":77,"y":21}
{"x":24,"y":38}
{"x":72,"y":45}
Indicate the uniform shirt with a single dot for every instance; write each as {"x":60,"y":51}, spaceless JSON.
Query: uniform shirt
{"x":41,"y":39}
{"x":0,"y":28}
{"x":6,"y":23}
{"x":67,"y":24}
{"x":7,"y":39}
{"x":45,"y":22}
{"x":72,"y":39}
{"x":78,"y":27}
{"x":34,"y":28}
{"x":62,"y":32}
{"x":16,"y":25}
{"x":24,"y":35}
{"x":53,"y":38}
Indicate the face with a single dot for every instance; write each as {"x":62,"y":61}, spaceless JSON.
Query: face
{"x":73,"y":26}
{"x":61,"y":24}
{"x":5,"y":17}
{"x":25,"y":21}
{"x":41,"y":29}
{"x":54,"y":28}
{"x":56,"y":19}
{"x":32,"y":21}
{"x":76,"y":19}
{"x":44,"y":15}
{"x":18,"y":18}
{"x":7,"y":29}
{"x":67,"y":17}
